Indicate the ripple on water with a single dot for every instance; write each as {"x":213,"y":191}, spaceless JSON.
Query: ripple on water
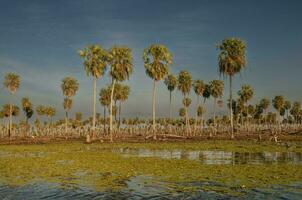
{"x":142,"y":187}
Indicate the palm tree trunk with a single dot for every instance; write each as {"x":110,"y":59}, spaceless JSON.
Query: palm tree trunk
{"x":104,"y":119}
{"x":111,"y":105}
{"x":170,"y":105}
{"x":94,"y":107}
{"x":66,"y":122}
{"x":196,"y":117}
{"x":10,"y":120}
{"x":119,"y":114}
{"x":153,"y":109}
{"x":231,"y":109}
{"x":214,"y":113}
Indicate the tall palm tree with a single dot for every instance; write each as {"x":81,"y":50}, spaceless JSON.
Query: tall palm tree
{"x":157,"y":60}
{"x":121,"y":67}
{"x":69,"y":88}
{"x":216,"y":90}
{"x":185,"y":85}
{"x":12,"y":83}
{"x":278,"y":103}
{"x":171,"y":83}
{"x":199,"y":88}
{"x":10,"y":110}
{"x":231,"y":60}
{"x":95,"y":63}
{"x":28,"y":110}
{"x":105,"y":95}
{"x":246,"y":93}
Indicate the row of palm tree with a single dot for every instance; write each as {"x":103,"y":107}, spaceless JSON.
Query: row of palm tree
{"x":157,"y":61}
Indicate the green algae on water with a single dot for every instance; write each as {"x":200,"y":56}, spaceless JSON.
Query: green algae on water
{"x":73,"y":164}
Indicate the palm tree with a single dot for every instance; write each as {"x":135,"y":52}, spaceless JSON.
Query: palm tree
{"x":27,"y":108}
{"x":287,"y":106}
{"x":200,"y":112}
{"x":69,"y":88}
{"x":171,"y":83}
{"x":157,"y":60}
{"x":105,"y":94}
{"x":124,"y":96}
{"x":295,"y":110}
{"x":278,"y":103}
{"x":216,"y":91}
{"x":95,"y":63}
{"x":231,"y":60}
{"x":199,"y":88}
{"x":246,"y":94}
{"x":185,"y":85}
{"x":12,"y":83}
{"x":10,"y":110}
{"x":121,"y":67}
{"x":264,"y":103}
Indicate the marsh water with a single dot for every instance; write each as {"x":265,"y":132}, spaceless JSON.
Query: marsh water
{"x":146,"y":186}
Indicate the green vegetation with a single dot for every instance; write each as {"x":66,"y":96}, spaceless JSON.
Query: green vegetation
{"x":75,"y":164}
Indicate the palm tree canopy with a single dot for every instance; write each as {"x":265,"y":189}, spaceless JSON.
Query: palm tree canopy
{"x":216,"y":88}
{"x":69,"y":86}
{"x":12,"y":82}
{"x":26,"y":104}
{"x":67,"y":104}
{"x":105,"y":96}
{"x":200,"y":111}
{"x":184,"y":82}
{"x":295,"y":110}
{"x":264,"y":103}
{"x":120,"y":59}
{"x":186,"y":102}
{"x":231,"y":59}
{"x":246,"y":93}
{"x":125,"y":93}
{"x":207,"y":91}
{"x":287,"y":105}
{"x":278,"y":102}
{"x":182,"y":112}
{"x":41,"y":110}
{"x":14,"y":111}
{"x":171,"y":82}
{"x":157,"y":60}
{"x":50,"y":111}
{"x":199,"y":87}
{"x":95,"y":60}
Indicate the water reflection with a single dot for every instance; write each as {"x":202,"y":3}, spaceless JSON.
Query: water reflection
{"x":142,"y":187}
{"x":216,"y":157}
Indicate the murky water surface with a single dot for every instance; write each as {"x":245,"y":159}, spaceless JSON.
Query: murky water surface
{"x":145,"y":187}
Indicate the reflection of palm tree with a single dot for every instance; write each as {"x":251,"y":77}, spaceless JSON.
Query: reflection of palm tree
{"x":12,"y":83}
{"x":157,"y":59}
{"x":231,"y":61}
{"x":184,"y":85}
{"x":120,"y":69}
{"x":95,"y":63}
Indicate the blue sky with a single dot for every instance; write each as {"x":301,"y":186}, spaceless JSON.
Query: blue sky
{"x":39,"y":40}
